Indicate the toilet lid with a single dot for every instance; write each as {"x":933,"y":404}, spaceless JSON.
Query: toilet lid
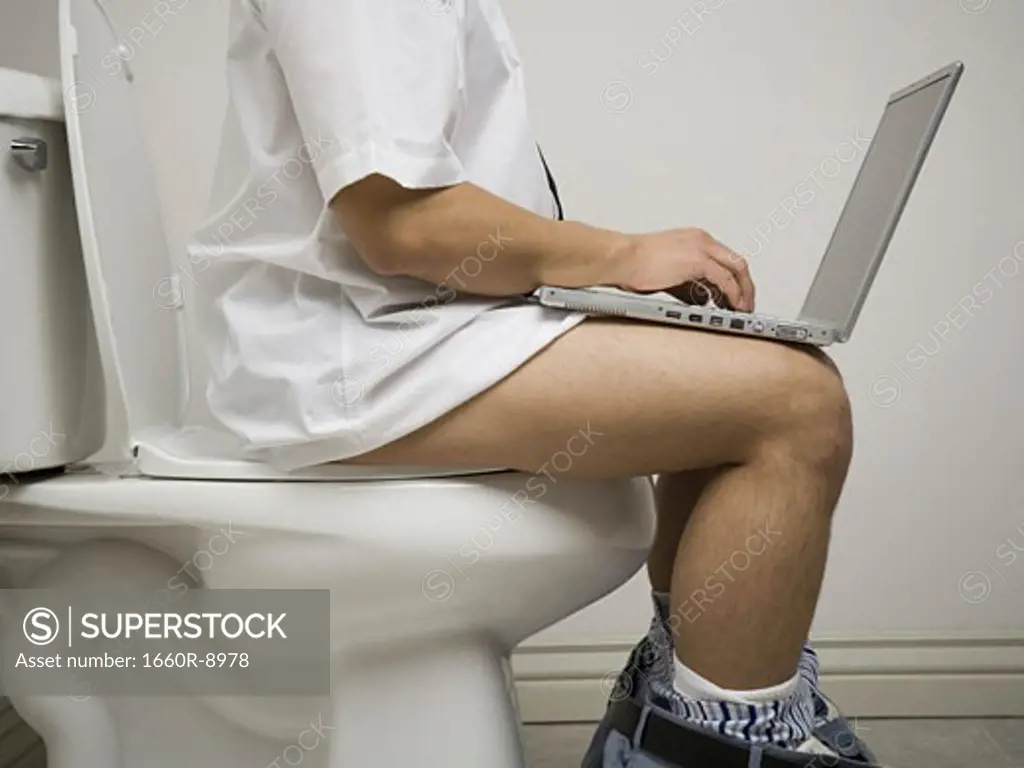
{"x":132,"y":280}
{"x":30,"y":97}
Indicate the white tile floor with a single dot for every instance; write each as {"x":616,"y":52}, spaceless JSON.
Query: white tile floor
{"x":899,"y":743}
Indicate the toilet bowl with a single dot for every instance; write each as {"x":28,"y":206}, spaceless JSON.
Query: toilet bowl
{"x":435,"y":575}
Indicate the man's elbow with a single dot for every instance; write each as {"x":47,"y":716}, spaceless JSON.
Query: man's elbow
{"x":385,"y":224}
{"x":387,"y":255}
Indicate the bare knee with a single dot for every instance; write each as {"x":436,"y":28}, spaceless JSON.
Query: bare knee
{"x":811,"y":412}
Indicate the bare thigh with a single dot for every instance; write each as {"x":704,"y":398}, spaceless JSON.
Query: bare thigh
{"x":626,"y":399}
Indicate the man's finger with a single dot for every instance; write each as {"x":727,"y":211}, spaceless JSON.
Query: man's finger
{"x":696,"y":292}
{"x":724,"y":280}
{"x":737,"y":266}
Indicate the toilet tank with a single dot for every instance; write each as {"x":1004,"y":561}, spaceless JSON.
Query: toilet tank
{"x":51,"y":384}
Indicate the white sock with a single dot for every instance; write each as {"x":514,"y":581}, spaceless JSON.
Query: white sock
{"x":693,"y":686}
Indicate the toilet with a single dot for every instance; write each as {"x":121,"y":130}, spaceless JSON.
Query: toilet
{"x":420,"y":634}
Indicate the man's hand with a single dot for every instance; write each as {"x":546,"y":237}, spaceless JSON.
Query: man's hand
{"x":690,"y":264}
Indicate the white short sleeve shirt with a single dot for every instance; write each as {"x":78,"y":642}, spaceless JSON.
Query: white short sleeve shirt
{"x":314,"y":357}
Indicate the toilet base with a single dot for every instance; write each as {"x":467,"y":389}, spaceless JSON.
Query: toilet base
{"x":76,"y":731}
{"x":419,"y":675}
{"x":439,"y":704}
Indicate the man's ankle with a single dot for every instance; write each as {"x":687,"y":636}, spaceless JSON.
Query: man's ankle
{"x":693,"y":685}
{"x":782,"y":715}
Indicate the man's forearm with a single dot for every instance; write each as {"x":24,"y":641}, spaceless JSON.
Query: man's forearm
{"x":476,"y":242}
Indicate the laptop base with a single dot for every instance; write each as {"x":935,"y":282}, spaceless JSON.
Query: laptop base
{"x":667,"y":311}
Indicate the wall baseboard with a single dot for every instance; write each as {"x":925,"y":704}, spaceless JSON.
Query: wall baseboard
{"x":871,"y":676}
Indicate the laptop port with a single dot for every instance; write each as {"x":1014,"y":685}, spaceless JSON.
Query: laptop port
{"x":736,"y":324}
{"x":673,"y":314}
{"x":791,"y":332}
{"x":717,"y":320}
{"x":696,"y":318}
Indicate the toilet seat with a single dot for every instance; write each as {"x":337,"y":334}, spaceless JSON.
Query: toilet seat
{"x":197,"y":453}
{"x":210,"y":483}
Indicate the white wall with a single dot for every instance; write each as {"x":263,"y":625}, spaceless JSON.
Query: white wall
{"x":749,"y":100}
{"x":28,"y":36}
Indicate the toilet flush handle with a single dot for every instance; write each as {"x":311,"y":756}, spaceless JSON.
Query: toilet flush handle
{"x":30,"y":154}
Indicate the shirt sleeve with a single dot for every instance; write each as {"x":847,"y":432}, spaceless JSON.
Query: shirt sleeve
{"x":376,"y":86}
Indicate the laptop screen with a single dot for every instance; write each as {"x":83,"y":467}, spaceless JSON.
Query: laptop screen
{"x":876,"y":201}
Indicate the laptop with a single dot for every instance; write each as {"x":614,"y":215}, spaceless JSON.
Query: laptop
{"x":855,"y":251}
